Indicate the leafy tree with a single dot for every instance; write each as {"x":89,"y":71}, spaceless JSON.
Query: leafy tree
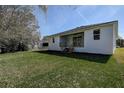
{"x":18,"y":28}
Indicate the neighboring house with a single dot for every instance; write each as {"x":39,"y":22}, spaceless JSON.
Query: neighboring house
{"x":120,"y":42}
{"x":97,"y":38}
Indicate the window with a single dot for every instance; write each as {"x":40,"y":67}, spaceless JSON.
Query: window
{"x":96,"y":34}
{"x":78,"y":41}
{"x":53,"y":40}
{"x":45,"y":44}
{"x":63,"y":41}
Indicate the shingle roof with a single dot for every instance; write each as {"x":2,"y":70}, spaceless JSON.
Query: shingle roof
{"x":82,"y":27}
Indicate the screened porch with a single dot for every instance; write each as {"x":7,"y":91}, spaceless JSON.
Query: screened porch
{"x":72,"y":40}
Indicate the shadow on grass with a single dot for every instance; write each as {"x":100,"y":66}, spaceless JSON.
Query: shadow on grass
{"x":99,"y":58}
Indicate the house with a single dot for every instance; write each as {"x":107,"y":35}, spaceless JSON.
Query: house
{"x":96,"y":38}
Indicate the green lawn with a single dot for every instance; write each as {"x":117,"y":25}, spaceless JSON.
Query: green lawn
{"x":55,"y":69}
{"x":119,"y":55}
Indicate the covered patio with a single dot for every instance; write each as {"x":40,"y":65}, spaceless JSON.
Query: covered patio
{"x":72,"y":40}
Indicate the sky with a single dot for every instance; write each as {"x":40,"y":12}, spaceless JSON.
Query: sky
{"x":63,"y":18}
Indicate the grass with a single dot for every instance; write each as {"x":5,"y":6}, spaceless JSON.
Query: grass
{"x":55,"y":69}
{"x":119,"y":55}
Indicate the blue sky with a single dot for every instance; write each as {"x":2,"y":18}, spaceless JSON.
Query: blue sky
{"x":62,"y":18}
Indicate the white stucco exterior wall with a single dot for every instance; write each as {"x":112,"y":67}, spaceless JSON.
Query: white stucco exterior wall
{"x":115,"y":35}
{"x":55,"y":45}
{"x":102,"y":46}
{"x":106,"y":44}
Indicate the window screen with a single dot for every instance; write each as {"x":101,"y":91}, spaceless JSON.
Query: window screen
{"x":45,"y":44}
{"x":96,"y":34}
